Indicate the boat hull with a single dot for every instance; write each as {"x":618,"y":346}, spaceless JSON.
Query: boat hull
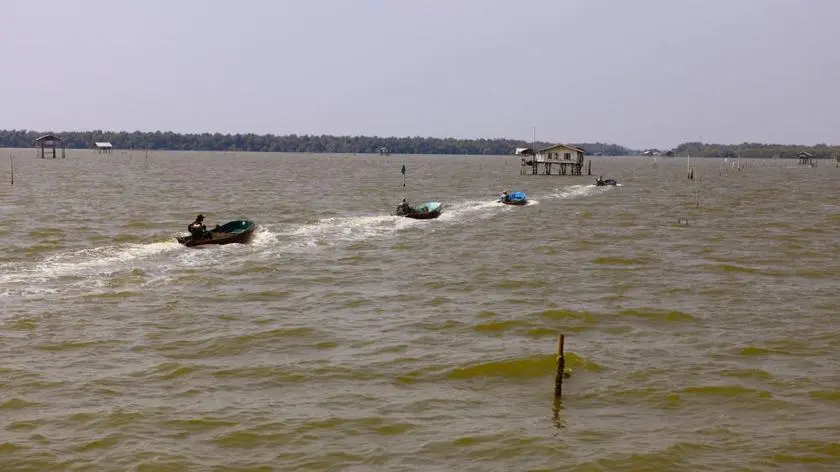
{"x":233,"y":232}
{"x":515,"y":198}
{"x":423,"y":211}
{"x":423,"y":216}
{"x":606,"y":183}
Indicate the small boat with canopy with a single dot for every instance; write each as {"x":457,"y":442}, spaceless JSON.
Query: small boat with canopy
{"x":419,"y":211}
{"x":236,"y":231}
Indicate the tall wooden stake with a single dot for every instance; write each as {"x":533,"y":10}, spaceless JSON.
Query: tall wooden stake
{"x":696,"y":195}
{"x":689,"y":169}
{"x":12,"y":167}
{"x":561,"y":367}
{"x":534,"y":142}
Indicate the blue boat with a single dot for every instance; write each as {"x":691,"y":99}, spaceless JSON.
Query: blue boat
{"x":515,"y":198}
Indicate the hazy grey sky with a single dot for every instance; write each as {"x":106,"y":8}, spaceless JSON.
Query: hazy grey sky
{"x":643,"y":73}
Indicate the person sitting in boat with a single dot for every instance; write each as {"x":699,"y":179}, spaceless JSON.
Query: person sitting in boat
{"x":504,"y":197}
{"x":600,"y":180}
{"x":403,"y":208}
{"x":197,"y":228}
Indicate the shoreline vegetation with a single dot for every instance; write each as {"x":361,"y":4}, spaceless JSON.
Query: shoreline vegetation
{"x":249,"y":142}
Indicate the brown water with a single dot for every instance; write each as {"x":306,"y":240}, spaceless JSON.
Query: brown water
{"x":343,"y":338}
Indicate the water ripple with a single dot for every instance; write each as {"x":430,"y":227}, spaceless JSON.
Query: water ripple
{"x":342,"y":337}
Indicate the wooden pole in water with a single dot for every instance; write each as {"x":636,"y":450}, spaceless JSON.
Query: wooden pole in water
{"x":696,"y":194}
{"x":12,"y":167}
{"x":689,"y":169}
{"x":561,"y":367}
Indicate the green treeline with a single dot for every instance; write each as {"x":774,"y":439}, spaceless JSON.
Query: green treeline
{"x":289,"y":143}
{"x":755,"y":150}
{"x":371,"y":144}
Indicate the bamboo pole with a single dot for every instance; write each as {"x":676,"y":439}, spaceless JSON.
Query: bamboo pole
{"x":696,"y":195}
{"x":561,"y":368}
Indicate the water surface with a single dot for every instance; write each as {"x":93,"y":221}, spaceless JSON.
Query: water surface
{"x":699,"y":315}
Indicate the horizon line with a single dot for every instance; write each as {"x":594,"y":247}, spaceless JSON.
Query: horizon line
{"x":199,"y":133}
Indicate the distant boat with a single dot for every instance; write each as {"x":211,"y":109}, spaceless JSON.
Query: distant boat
{"x":421,"y":211}
{"x":515,"y":198}
{"x":236,"y":231}
{"x":602,"y":183}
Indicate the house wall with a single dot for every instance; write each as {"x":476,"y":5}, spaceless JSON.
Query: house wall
{"x":559,"y":154}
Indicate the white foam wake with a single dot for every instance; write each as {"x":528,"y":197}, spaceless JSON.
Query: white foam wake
{"x":85,"y":262}
{"x":334,"y":231}
{"x":576,"y":191}
{"x":470,"y":209}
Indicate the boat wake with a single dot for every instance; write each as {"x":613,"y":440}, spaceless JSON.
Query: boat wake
{"x":335,"y":231}
{"x":87,"y":267}
{"x":470,"y":209}
{"x":576,"y":191}
{"x":103,"y":268}
{"x":331,"y":231}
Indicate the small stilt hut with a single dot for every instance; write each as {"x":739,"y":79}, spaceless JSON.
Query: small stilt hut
{"x":103,"y":147}
{"x":49,"y":141}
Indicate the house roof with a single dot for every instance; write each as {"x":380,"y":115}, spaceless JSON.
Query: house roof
{"x":48,"y":137}
{"x":524,"y":151}
{"x":103,"y":144}
{"x":561,"y":146}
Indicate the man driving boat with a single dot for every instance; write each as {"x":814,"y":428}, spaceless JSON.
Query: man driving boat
{"x":197,"y":228}
{"x":403,"y":208}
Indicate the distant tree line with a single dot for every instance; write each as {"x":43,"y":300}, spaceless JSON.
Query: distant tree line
{"x":289,"y":143}
{"x":372,"y":144}
{"x":755,"y":150}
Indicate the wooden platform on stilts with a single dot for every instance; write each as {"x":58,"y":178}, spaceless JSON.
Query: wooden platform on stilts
{"x":531,"y":167}
{"x":559,"y":159}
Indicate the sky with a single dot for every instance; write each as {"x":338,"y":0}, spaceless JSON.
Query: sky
{"x":640,"y":73}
